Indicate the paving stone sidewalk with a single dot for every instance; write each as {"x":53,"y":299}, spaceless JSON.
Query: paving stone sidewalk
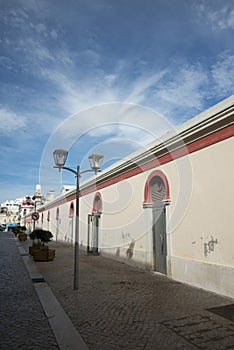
{"x":119,"y":306}
{"x":23,"y":324}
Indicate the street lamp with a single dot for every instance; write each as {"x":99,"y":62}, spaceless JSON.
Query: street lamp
{"x":95,"y":160}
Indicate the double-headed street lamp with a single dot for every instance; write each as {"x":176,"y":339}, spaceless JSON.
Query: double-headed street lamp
{"x":95,"y":160}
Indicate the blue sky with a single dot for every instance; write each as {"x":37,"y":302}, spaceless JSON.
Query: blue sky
{"x":172,"y":59}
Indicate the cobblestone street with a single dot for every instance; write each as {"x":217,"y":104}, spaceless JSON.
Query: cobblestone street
{"x":23,"y":324}
{"x":117,"y":306}
{"x":121,"y":307}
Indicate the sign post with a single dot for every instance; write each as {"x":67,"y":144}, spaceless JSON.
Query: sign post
{"x":35,"y":217}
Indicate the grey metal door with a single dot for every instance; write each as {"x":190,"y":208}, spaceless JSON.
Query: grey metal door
{"x":96,"y":218}
{"x":159,"y":240}
{"x":89,"y":249}
{"x":159,"y":227}
{"x":93,"y":234}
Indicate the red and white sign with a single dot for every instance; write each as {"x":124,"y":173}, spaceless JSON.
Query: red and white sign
{"x":35,"y":216}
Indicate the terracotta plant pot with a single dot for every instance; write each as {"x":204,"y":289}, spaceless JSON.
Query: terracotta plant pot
{"x":33,"y":248}
{"x":22,"y":237}
{"x":44,"y":255}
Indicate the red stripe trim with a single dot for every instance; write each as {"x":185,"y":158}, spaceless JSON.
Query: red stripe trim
{"x":211,"y":139}
{"x":204,"y":142}
{"x":194,"y":146}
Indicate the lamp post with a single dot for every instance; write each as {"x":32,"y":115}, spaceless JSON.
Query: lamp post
{"x":95,"y":160}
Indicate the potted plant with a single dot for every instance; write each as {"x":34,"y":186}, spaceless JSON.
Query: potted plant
{"x":20,"y":233}
{"x":36,"y":242}
{"x":40,"y":249}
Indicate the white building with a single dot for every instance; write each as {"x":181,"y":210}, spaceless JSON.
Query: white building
{"x":167,"y":208}
{"x":66,"y":188}
{"x":9,"y":211}
{"x":12,"y":206}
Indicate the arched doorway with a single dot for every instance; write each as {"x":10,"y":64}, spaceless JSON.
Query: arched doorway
{"x":57,"y":223}
{"x":71,"y":222}
{"x":93,"y":239}
{"x":159,"y":225}
{"x":48,"y":220}
{"x":157,"y":197}
{"x":42,"y":219}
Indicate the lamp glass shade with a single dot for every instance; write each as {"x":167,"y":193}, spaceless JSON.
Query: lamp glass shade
{"x":96,"y":161}
{"x":60,"y":156}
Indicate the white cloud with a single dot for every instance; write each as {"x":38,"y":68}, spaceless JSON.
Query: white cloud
{"x":230,"y":20}
{"x":40,"y":28}
{"x":223,"y":74}
{"x":10,"y":121}
{"x":167,"y":90}
{"x":118,"y":130}
{"x":103,"y":130}
{"x":15,"y":18}
{"x":222,"y":18}
{"x":34,"y":51}
{"x":184,"y":89}
{"x":109,"y":79}
{"x":114,"y":120}
{"x":8,"y":63}
{"x":141,"y":86}
{"x":44,"y":31}
{"x":76,"y":95}
{"x":54,"y":34}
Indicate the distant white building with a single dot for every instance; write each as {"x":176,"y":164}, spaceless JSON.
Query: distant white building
{"x":49,"y":196}
{"x":12,"y":211}
{"x":9,"y":211}
{"x":12,"y":206}
{"x":27,"y":206}
{"x":66,"y":188}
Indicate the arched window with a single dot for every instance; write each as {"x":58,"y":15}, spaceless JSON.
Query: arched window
{"x":48,"y":216}
{"x":71,"y":210}
{"x":156,"y":185}
{"x":97,"y":203}
{"x":57,"y":213}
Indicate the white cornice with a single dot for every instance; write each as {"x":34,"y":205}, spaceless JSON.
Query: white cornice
{"x":205,"y":123}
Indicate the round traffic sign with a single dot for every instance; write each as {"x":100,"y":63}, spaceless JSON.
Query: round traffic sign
{"x":35,"y":216}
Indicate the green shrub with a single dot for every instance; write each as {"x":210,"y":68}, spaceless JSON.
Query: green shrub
{"x":42,"y":236}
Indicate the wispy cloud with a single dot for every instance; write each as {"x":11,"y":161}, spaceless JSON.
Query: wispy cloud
{"x":8,"y":63}
{"x":15,"y":18}
{"x":184,"y":90}
{"x":64,"y":75}
{"x":222,"y":18}
{"x":10,"y":121}
{"x":223,"y":73}
{"x":142,"y":85}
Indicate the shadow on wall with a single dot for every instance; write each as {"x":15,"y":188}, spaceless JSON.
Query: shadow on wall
{"x":130,"y":249}
{"x":129,"y":252}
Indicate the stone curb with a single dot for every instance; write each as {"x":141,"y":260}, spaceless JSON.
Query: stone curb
{"x":64,"y":331}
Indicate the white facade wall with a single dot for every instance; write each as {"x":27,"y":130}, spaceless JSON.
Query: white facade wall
{"x":202,"y":252}
{"x":199,"y":214}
